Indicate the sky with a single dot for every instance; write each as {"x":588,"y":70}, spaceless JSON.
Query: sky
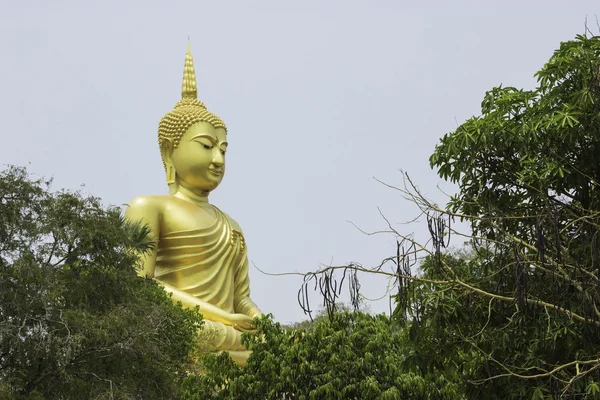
{"x":321,"y":100}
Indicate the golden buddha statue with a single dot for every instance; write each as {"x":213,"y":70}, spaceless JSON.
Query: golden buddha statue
{"x":201,"y":256}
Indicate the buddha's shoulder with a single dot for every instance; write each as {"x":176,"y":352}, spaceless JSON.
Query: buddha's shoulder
{"x":150,"y":202}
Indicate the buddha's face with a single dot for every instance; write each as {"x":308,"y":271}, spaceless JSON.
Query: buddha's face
{"x":199,"y":159}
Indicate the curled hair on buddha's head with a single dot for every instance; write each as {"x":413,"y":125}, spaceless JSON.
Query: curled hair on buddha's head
{"x":188,"y":111}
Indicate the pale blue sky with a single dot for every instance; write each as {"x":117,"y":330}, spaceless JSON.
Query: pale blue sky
{"x":319,"y":98}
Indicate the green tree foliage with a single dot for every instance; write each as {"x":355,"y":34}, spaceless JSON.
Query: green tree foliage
{"x":350,"y":356}
{"x":523,"y":307}
{"x":75,"y":319}
{"x":515,"y":314}
{"x":532,"y":154}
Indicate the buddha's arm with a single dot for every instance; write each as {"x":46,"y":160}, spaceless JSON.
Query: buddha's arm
{"x":242,"y":301}
{"x":143,"y":209}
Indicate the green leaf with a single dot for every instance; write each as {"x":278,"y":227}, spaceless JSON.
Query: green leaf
{"x":593,"y":389}
{"x":537,"y":394}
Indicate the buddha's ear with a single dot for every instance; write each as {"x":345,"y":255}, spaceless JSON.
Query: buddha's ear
{"x":166,"y":151}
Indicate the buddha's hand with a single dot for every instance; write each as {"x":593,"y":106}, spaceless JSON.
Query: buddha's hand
{"x":241,"y":322}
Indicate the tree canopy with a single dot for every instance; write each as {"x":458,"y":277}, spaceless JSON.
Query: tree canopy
{"x":348,"y":356}
{"x":528,"y":176}
{"x":75,"y":319}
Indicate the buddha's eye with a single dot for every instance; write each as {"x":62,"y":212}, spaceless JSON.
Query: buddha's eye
{"x":206,"y":146}
{"x":223,"y":152}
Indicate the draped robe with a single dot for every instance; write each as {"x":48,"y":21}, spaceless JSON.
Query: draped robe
{"x":212,"y":264}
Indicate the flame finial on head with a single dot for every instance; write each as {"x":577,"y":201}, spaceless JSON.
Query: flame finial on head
{"x":188,"y":87}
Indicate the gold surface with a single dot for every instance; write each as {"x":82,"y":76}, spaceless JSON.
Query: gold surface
{"x":201,"y":255}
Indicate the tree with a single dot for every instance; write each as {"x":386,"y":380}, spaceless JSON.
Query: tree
{"x":347,"y":356}
{"x":516,"y":314}
{"x":75,"y":319}
{"x":528,"y":178}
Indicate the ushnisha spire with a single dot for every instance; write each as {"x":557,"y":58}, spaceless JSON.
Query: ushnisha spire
{"x":188,"y":87}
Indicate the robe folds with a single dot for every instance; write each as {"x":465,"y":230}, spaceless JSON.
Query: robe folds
{"x":210,"y":264}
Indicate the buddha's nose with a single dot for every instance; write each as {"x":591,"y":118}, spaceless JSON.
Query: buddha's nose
{"x":218,"y":160}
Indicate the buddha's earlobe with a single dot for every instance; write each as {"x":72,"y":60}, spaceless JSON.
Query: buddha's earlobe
{"x":170,"y":174}
{"x":166,"y":149}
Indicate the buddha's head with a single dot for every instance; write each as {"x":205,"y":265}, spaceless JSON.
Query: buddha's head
{"x":192,"y":140}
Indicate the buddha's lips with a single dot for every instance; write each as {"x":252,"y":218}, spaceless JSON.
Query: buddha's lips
{"x":216,"y":172}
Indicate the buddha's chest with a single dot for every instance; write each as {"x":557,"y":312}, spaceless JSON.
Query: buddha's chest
{"x":185,"y":224}
{"x":184,"y":216}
